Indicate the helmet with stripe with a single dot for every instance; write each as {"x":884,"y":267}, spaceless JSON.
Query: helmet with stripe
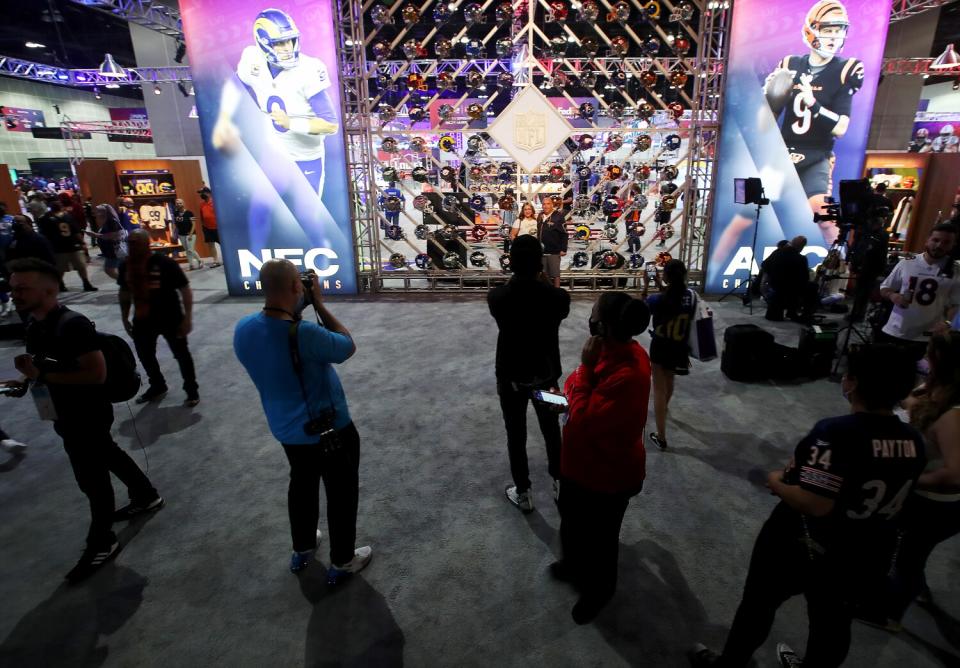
{"x":827,"y":21}
{"x":274,"y":27}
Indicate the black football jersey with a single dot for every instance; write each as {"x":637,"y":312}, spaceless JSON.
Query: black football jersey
{"x":868,"y":464}
{"x":833,"y":87}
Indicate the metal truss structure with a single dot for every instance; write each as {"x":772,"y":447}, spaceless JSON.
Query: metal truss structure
{"x":146,"y":13}
{"x":372,"y":86}
{"x":915,"y":66}
{"x":74,"y":130}
{"x":88,"y":78}
{"x":904,"y":9}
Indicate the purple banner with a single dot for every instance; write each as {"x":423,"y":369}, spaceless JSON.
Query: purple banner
{"x":800,"y":87}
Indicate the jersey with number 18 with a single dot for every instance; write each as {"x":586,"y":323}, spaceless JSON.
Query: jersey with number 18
{"x":934,"y":292}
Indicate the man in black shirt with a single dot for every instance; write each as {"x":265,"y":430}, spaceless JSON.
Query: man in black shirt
{"x":833,"y":536}
{"x":27,"y":243}
{"x":67,"y":372}
{"x":162,"y":306}
{"x":186,"y":224}
{"x":528,"y":312}
{"x":788,"y":278}
{"x":552,"y":232}
{"x":66,"y":237}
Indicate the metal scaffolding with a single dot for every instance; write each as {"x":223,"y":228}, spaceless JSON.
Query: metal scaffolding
{"x":904,"y":9}
{"x":88,"y":78}
{"x":146,"y":13}
{"x":73,"y":131}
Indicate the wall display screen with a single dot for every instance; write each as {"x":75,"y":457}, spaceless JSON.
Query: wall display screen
{"x":801,"y":82}
{"x":266,"y":82}
{"x":16,"y":119}
{"x":935,"y":132}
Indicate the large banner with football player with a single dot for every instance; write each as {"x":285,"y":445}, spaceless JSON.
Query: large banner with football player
{"x":801,"y":82}
{"x":265,"y":74}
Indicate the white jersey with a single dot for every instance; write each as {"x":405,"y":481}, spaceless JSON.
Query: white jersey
{"x":154,"y":217}
{"x":290,"y":90}
{"x":933,"y":295}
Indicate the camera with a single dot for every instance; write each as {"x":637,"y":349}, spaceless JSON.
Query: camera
{"x":306,"y":277}
{"x":322,"y":426}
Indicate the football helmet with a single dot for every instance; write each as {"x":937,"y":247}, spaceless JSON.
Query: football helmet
{"x":648,"y":78}
{"x":610,"y":232}
{"x":478,"y":258}
{"x":380,"y":16}
{"x":445,"y":111}
{"x":475,"y":111}
{"x":422,"y":202}
{"x":580,"y":259}
{"x":410,"y":14}
{"x":418,"y":144}
{"x":645,"y":111}
{"x":619,"y":12}
{"x":478,"y":203}
{"x":504,"y":172}
{"x":614,"y":172}
{"x":641,"y":144}
{"x":390,"y":175}
{"x":448,"y":174}
{"x":504,"y":230}
{"x":559,"y":80}
{"x":474,"y":143}
{"x":946,"y":131}
{"x":449,"y":232}
{"x":473,"y":48}
{"x":640,"y":203}
{"x":475,"y":79}
{"x":582,"y":204}
{"x":557,"y":172}
{"x":615,"y":110}
{"x":422,"y":261}
{"x":165,"y":187}
{"x":445,"y":81}
{"x":476,"y":172}
{"x":619,"y":46}
{"x":411,"y":49}
{"x":421,"y":232}
{"x":610,"y":259}
{"x":450,"y":203}
{"x":443,"y":47}
{"x":479,"y":232}
{"x":451,"y":260}
{"x":682,"y":12}
{"x":642,"y":173}
{"x":663,"y":258}
{"x":271,"y":28}
{"x":506,"y":202}
{"x":668,"y":202}
{"x":503,"y":12}
{"x":672,"y":142}
{"x":676,"y":110}
{"x":416,"y":82}
{"x":505,"y":80}
{"x":636,"y":229}
{"x":650,"y":46}
{"x":416,"y":114}
{"x":388,"y":145}
{"x":611,"y":205}
{"x":678,"y":78}
{"x":651,"y":10}
{"x":590,"y":47}
{"x":398,"y":261}
{"x":473,"y":14}
{"x":386,"y":113}
{"x":584,"y":172}
{"x":505,"y":262}
{"x":587,"y":110}
{"x":381,"y":50}
{"x":441,"y":12}
{"x":636,"y":261}
{"x":588,"y":78}
{"x":558,"y":11}
{"x":923,"y":133}
{"x":668,"y":188}
{"x":585,"y":142}
{"x":394,"y":233}
{"x":826,"y":14}
{"x":669,"y":173}
{"x":614,"y":143}
{"x":665,"y":231}
{"x":504,"y":47}
{"x":589,"y":11}
{"x":557,"y":47}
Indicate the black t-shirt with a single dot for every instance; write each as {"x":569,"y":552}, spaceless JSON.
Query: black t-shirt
{"x":61,"y":231}
{"x":30,"y":244}
{"x":164,"y":278}
{"x":786,"y":269}
{"x":833,"y":88}
{"x":528,"y":314}
{"x":868,"y":464}
{"x":184,"y":221}
{"x":65,"y":342}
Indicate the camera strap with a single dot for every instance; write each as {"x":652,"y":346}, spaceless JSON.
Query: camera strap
{"x":293,"y":340}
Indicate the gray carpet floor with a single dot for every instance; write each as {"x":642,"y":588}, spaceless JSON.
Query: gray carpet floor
{"x":459,"y":577}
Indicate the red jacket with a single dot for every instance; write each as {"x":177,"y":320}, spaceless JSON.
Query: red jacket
{"x":603,"y":437}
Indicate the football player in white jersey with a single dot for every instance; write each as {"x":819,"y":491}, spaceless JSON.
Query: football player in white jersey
{"x":290,"y":87}
{"x":925,"y":292}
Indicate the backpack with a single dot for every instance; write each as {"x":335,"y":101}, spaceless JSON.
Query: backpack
{"x":123,"y":378}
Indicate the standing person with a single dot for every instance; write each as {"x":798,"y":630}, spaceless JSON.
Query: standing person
{"x":186,"y":224}
{"x":27,"y":243}
{"x":508,"y":213}
{"x":552,"y":232}
{"x":526,"y":223}
{"x":291,"y":363}
{"x":129,"y":218}
{"x":208,"y":221}
{"x":162,"y":306}
{"x":673,"y":311}
{"x":603,"y":461}
{"x":925,"y":293}
{"x":528,"y":312}
{"x":933,"y":512}
{"x":67,"y":371}
{"x":111,"y":237}
{"x":833,"y":535}
{"x":65,"y":235}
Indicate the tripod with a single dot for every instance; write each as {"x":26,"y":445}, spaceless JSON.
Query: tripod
{"x":747,"y":299}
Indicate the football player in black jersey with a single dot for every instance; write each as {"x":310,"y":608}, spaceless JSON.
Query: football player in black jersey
{"x":833,"y":535}
{"x":814,"y":93}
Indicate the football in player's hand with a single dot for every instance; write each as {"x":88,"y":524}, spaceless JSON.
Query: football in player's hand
{"x":777,"y":87}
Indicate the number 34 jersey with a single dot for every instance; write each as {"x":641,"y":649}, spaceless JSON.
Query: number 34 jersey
{"x":869,"y":465}
{"x":290,"y":90}
{"x":933,"y":294}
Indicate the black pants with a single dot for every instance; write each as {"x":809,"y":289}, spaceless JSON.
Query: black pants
{"x":340,"y":473}
{"x":513,"y":403}
{"x":590,"y":536}
{"x":145,"y":335}
{"x":915,"y":349}
{"x":94,"y":456}
{"x":928,"y":523}
{"x":796,"y":300}
{"x":780,"y":568}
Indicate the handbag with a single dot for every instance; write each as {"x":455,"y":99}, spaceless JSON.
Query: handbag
{"x":702,"y":340}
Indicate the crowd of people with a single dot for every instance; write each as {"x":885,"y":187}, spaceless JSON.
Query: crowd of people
{"x":865,"y":499}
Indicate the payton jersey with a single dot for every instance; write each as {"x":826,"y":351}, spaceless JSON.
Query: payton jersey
{"x":933,"y":294}
{"x":833,"y":88}
{"x":868,"y":464}
{"x":290,"y":90}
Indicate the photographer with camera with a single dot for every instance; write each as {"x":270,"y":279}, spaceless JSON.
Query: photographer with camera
{"x":290,"y":362}
{"x":925,"y":293}
{"x":788,"y":277}
{"x":868,"y":259}
{"x":66,"y":372}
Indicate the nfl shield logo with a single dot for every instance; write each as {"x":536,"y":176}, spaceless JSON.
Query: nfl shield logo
{"x":530,"y":130}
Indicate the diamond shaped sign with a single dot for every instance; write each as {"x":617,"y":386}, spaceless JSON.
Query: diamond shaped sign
{"x":530,"y":129}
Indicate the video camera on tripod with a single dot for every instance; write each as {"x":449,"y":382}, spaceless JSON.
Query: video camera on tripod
{"x":858,"y":206}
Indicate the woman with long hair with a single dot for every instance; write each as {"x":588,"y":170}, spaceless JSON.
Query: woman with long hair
{"x":672,"y":312}
{"x":111,"y":238}
{"x":526,"y":222}
{"x":602,"y":461}
{"x":933,"y":511}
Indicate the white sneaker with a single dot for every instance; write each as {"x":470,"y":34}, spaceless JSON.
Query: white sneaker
{"x":522,"y":500}
{"x":787,"y":657}
{"x":12,"y":445}
{"x":361,"y":558}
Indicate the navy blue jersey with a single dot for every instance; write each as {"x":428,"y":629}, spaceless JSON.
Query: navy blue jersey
{"x":670,"y":321}
{"x":833,"y":88}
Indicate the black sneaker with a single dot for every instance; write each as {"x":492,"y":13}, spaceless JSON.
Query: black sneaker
{"x":152,"y":394}
{"x":192,"y":400}
{"x":134,"y":508}
{"x":90,"y":562}
{"x":561,"y":571}
{"x":658,"y":440}
{"x":90,"y":287}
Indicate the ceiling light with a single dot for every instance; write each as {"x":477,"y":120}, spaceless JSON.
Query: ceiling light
{"x":35,"y":45}
{"x":112,"y":86}
{"x":946,"y":60}
{"x":96,"y":92}
{"x":157,"y":90}
{"x":110,"y":69}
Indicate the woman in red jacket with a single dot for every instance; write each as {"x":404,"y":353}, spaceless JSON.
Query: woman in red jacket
{"x":602,"y":461}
